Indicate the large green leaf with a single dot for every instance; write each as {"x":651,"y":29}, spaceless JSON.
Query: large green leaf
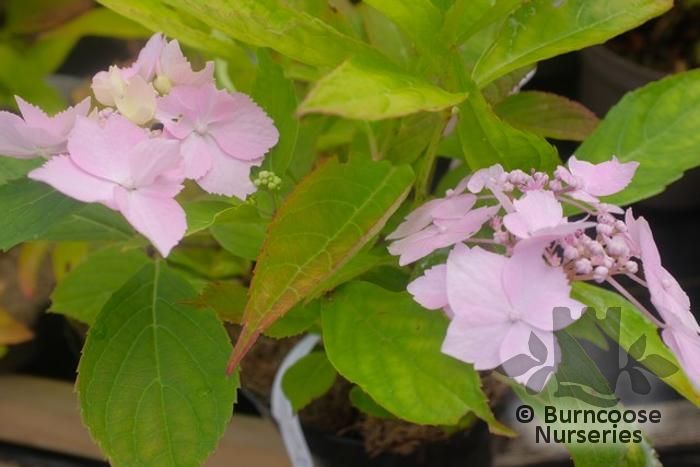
{"x":420,"y":20}
{"x":158,"y":16}
{"x":390,"y":346}
{"x":91,"y":222}
{"x":151,"y":382}
{"x":548,"y":115}
{"x":276,"y":94}
{"x":308,"y":379}
{"x":372,"y":90}
{"x":240,"y":231}
{"x":466,"y":17}
{"x":541,"y":29}
{"x":487,"y":140}
{"x":628,"y":327}
{"x":270,"y":23}
{"x":579,"y":386}
{"x":656,"y":126}
{"x":324,"y":222}
{"x":12,"y":169}
{"x":84,"y":291}
{"x":29,"y":209}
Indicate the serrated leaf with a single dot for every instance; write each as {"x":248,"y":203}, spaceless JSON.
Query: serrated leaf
{"x":364,"y":403}
{"x":272,"y":24}
{"x":541,"y":29}
{"x":84,"y":291}
{"x":487,"y":140}
{"x":466,"y":17}
{"x":29,"y":209}
{"x":342,"y":206}
{"x":240,"y":231}
{"x":308,"y":379}
{"x":373,"y":90}
{"x":390,"y":346}
{"x":420,"y":20}
{"x":627,"y":327}
{"x":276,"y":95}
{"x":150,"y":383}
{"x":91,"y":222}
{"x":655,"y":126}
{"x":548,"y":115}
{"x":202,"y":214}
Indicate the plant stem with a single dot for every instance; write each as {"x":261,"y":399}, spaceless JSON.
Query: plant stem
{"x":634,"y":302}
{"x":427,"y":168}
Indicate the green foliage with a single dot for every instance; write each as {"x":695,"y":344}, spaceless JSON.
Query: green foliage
{"x":390,"y":346}
{"x":29,"y":209}
{"x":85,"y":290}
{"x":150,"y":381}
{"x":372,"y":90}
{"x":308,"y":379}
{"x":240,"y":230}
{"x":541,"y":29}
{"x":328,"y":218}
{"x":548,"y":115}
{"x":364,"y":402}
{"x":90,"y":222}
{"x":655,"y":126}
{"x":628,"y":328}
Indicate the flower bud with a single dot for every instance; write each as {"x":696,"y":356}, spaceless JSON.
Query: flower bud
{"x":570,"y":252}
{"x":632,"y":267}
{"x":600,"y":273}
{"x":583,"y":266}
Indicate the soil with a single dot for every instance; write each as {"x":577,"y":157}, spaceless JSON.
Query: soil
{"x":669,"y":43}
{"x":333,"y":413}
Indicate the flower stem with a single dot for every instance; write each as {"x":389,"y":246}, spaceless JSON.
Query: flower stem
{"x":634,"y":301}
{"x":427,"y":168}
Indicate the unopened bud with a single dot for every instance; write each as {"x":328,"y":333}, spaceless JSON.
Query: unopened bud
{"x":632,"y":267}
{"x":600,"y":273}
{"x":570,"y":252}
{"x":583,"y":266}
{"x":604,"y":229}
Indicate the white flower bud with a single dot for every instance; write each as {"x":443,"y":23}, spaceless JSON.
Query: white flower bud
{"x":604,"y":229}
{"x":600,"y":273}
{"x":632,"y":267}
{"x":583,"y":266}
{"x":570,"y":252}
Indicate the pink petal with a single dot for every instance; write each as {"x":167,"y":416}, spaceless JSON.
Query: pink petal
{"x":448,"y":208}
{"x":247,"y":133}
{"x":542,"y":349}
{"x":686,"y":347}
{"x":484,"y":177}
{"x":160,"y":219}
{"x":33,"y":115}
{"x":539,"y":292}
{"x":537,"y":209}
{"x":150,"y":158}
{"x":197,"y":152}
{"x":479,"y":345}
{"x":175,"y":66}
{"x":62,"y":174}
{"x":13,"y":141}
{"x":103,"y":150}
{"x":148,"y":58}
{"x":60,"y":124}
{"x":475,"y":286}
{"x":138,"y":102}
{"x":454,"y":207}
{"x":603,"y":179}
{"x":430,"y":289}
{"x":228,"y":176}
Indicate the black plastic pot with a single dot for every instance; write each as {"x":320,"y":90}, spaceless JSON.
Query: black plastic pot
{"x":470,"y":449}
{"x":605,"y":78}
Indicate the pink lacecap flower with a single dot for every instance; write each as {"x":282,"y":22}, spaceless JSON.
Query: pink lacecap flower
{"x":538,"y":213}
{"x":36,"y":134}
{"x":594,"y":180}
{"x":499,"y":310}
{"x":681,"y":332}
{"x":438,"y":224}
{"x":223,"y":135}
{"x":118,"y":165}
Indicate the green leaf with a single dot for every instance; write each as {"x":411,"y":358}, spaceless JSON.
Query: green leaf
{"x":202,"y":214}
{"x":84,"y":291}
{"x":655,"y":126}
{"x":579,"y":386}
{"x":270,"y":23}
{"x":159,"y":16}
{"x":308,"y":379}
{"x":12,"y":169}
{"x":300,"y":318}
{"x":372,"y":90}
{"x":390,"y":346}
{"x":91,"y":222}
{"x":420,"y":20}
{"x":151,"y":382}
{"x":364,"y":402}
{"x":627,"y":327}
{"x":342,"y":206}
{"x":240,"y":231}
{"x":548,"y":115}
{"x":29,"y":209}
{"x":487,"y":140}
{"x":226,"y":298}
{"x":276,"y":95}
{"x":541,"y":29}
{"x":466,"y":17}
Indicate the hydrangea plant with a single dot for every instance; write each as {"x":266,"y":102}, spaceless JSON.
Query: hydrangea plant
{"x":279,"y":182}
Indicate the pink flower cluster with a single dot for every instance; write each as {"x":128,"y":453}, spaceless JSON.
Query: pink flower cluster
{"x":161,"y":123}
{"x":506,"y":283}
